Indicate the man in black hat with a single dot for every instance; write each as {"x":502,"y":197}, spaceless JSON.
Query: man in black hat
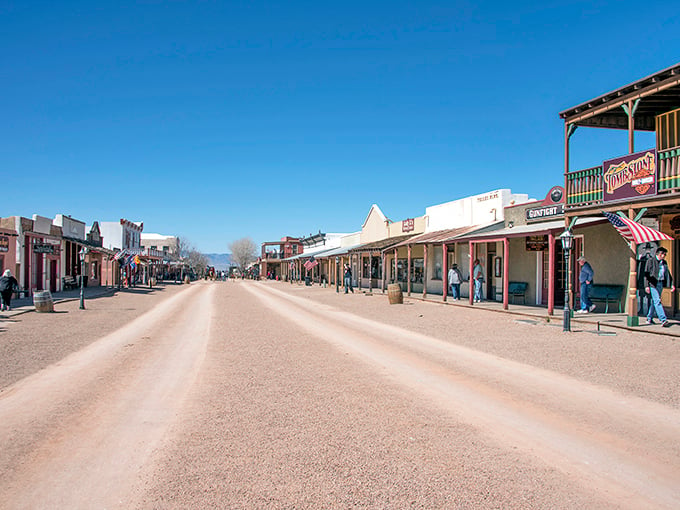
{"x":657,"y":276}
{"x":643,"y":296}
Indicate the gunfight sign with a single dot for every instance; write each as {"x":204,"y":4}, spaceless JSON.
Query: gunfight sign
{"x":629,"y":176}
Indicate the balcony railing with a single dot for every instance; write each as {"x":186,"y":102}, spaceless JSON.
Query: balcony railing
{"x":584,"y":187}
{"x":669,"y":169}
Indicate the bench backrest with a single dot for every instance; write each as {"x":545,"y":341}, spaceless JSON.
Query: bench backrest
{"x":601,"y":290}
{"x":517,"y":287}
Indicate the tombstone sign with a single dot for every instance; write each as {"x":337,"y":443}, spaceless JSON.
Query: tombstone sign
{"x":630,"y":176}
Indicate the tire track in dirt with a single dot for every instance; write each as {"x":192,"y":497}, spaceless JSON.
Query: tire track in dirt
{"x":623,"y":446}
{"x":77,"y":434}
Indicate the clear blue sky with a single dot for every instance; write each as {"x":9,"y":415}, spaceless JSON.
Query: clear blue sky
{"x":217,"y":120}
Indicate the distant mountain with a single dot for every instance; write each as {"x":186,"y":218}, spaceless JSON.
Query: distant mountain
{"x":219,"y":260}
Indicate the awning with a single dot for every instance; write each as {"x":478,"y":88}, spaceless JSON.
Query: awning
{"x":338,"y":251}
{"x":89,"y":245}
{"x":528,"y":230}
{"x":445,"y":236}
{"x":382,"y":244}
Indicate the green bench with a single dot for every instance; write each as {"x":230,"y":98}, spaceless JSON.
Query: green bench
{"x":518,"y":289}
{"x":605,"y":293}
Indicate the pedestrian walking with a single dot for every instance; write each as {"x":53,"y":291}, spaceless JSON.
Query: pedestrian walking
{"x":585,"y":278}
{"x":347,"y":277}
{"x":478,"y":277}
{"x":455,"y":279}
{"x":8,"y":284}
{"x":644,"y":299}
{"x":658,"y":276}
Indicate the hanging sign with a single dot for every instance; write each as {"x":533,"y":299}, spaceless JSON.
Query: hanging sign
{"x":630,"y":176}
{"x":536,"y":243}
{"x":44,"y":248}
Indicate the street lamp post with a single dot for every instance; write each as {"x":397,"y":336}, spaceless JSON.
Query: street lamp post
{"x":337,"y":274}
{"x":82,"y":253}
{"x":567,"y":239}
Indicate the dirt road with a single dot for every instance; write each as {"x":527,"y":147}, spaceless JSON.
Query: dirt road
{"x":266,"y":395}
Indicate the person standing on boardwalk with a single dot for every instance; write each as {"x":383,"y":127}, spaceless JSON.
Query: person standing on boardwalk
{"x":455,"y":279}
{"x":478,"y":277}
{"x":347,"y":276}
{"x":8,"y":284}
{"x":643,"y":296}
{"x":585,"y":278}
{"x":657,"y":276}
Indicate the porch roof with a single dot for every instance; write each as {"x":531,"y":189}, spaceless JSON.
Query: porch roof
{"x":339,"y":251}
{"x":89,"y":245}
{"x":446,"y":235}
{"x":382,"y":244}
{"x":658,"y":93}
{"x":531,"y":229}
{"x":306,"y":254}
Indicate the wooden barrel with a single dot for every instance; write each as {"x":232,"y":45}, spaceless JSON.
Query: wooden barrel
{"x":42,"y":300}
{"x":394,"y":294}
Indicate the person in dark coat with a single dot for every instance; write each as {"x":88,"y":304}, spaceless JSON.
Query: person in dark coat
{"x":8,"y":284}
{"x":643,"y":296}
{"x":658,"y":276}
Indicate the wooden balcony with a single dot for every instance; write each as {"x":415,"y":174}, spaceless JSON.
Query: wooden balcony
{"x":585,"y":187}
{"x":669,"y":169}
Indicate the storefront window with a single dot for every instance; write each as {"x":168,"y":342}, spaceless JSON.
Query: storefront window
{"x":417,"y":270}
{"x":401,"y":270}
{"x":438,"y":262}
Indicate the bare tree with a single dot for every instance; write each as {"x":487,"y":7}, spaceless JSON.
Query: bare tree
{"x":243,"y":252}
{"x":190,"y":256}
{"x":184,"y":247}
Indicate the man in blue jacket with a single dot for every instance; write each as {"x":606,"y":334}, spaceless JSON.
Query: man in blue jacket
{"x":585,"y":278}
{"x":657,"y":276}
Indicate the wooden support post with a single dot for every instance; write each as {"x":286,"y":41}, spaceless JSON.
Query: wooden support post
{"x":445,"y":269}
{"x":551,"y":273}
{"x":633,"y":319}
{"x":471,"y":280}
{"x":408,"y":271}
{"x":424,"y":270}
{"x":506,"y":272}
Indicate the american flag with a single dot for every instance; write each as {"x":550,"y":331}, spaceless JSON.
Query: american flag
{"x":311,"y":263}
{"x":632,"y":231}
{"x":119,"y":255}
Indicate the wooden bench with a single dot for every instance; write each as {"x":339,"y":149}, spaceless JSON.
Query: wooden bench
{"x":606,"y":293}
{"x":518,"y":289}
{"x":68,"y":282}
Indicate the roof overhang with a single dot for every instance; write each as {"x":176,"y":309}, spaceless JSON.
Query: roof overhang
{"x":658,"y":93}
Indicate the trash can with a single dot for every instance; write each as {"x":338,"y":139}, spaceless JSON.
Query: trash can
{"x":308,"y":281}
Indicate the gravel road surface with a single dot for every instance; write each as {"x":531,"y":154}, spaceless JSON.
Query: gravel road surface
{"x":270,"y":395}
